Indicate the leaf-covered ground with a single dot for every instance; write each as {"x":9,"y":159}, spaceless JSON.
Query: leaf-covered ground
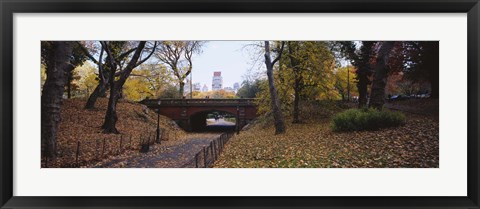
{"x":136,"y":123}
{"x":310,"y":144}
{"x":314,"y":145}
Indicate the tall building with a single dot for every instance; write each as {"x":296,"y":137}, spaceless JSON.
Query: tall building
{"x":217,"y":81}
{"x":236,"y":86}
{"x":186,"y":87}
{"x":205,"y":88}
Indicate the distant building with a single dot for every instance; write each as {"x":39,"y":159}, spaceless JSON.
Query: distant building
{"x":236,"y":86}
{"x":197,"y":87}
{"x":217,"y":81}
{"x":205,"y":88}
{"x":186,"y":87}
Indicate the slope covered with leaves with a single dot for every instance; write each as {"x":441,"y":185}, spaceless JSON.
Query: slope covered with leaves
{"x":79,"y":126}
{"x":313,"y":144}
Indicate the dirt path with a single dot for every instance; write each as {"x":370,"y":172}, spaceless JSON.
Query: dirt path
{"x":162,"y":155}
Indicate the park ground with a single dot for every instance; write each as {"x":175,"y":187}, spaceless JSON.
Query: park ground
{"x":311,"y":143}
{"x":80,"y":128}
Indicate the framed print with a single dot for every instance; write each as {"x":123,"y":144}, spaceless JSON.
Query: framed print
{"x":235,"y":104}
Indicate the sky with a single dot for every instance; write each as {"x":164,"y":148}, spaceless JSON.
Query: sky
{"x":232,"y":58}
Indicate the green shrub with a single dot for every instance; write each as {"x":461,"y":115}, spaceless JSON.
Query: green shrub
{"x":366,"y":119}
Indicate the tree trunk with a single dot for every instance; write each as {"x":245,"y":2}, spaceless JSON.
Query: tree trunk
{"x":100,"y":91}
{"x":297,"y":85}
{"x":296,"y":101}
{"x":348,"y":86}
{"x":109,"y":124}
{"x":182,"y":88}
{"x":362,"y":62}
{"x":362,"y":86}
{"x":69,"y":85}
{"x":434,"y":68}
{"x":58,"y":68}
{"x":277,"y":113}
{"x":380,"y":79}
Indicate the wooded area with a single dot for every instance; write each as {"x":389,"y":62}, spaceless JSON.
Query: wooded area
{"x":295,"y":76}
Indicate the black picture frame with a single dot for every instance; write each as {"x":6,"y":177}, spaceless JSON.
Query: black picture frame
{"x":9,"y":7}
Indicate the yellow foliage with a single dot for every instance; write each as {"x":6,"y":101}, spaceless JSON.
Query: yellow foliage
{"x":344,"y":76}
{"x":43,"y":75}
{"x":308,"y":67}
{"x":221,"y":94}
{"x":148,"y":81}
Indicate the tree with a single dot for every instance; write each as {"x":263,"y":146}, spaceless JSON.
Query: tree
{"x":102,"y":79}
{"x":395,"y":84}
{"x":157,"y":76}
{"x":295,"y":59}
{"x":343,"y":80}
{"x":116,"y":85}
{"x":432,"y":65}
{"x":57,"y":57}
{"x":119,"y":50}
{"x":361,"y":59}
{"x":149,"y":80}
{"x":249,"y":88}
{"x":277,"y":113}
{"x":88,"y":79}
{"x":311,"y":77}
{"x":77,"y":58}
{"x":169,"y":92}
{"x":421,"y":63}
{"x":43,"y":74}
{"x":308,"y":70}
{"x":71,"y":85}
{"x":380,"y":78}
{"x":178,"y":55}
{"x":222,"y":94}
{"x":137,"y":87}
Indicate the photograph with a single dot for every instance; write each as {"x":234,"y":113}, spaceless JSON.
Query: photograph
{"x":239,"y":104}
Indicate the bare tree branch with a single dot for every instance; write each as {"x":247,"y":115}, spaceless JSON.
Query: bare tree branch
{"x":279,"y":53}
{"x":87,"y":53}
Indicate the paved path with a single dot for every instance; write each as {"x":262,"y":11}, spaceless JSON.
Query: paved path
{"x":162,"y":156}
{"x":416,"y":106}
{"x":175,"y":156}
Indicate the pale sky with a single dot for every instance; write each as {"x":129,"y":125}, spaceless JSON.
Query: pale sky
{"x":233,"y":58}
{"x":229,"y":57}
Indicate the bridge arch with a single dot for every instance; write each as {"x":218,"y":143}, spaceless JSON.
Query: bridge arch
{"x":181,"y":110}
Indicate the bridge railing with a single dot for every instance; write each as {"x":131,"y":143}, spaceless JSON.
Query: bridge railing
{"x":179,"y":102}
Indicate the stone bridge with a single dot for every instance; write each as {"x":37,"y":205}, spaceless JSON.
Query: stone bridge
{"x":191,"y":114}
